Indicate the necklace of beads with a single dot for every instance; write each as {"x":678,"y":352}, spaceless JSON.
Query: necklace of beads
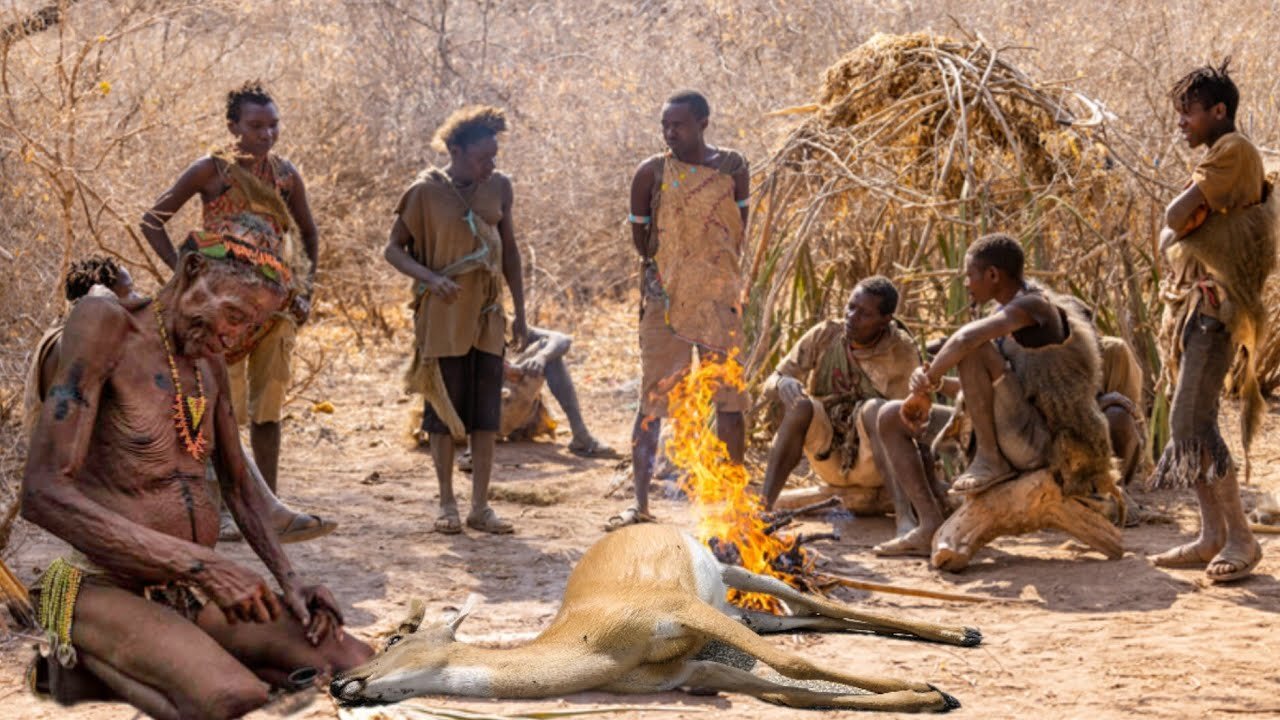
{"x":188,"y":412}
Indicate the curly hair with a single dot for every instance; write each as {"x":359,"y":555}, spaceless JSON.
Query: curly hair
{"x":882,"y":287}
{"x":253,"y":91}
{"x":84,"y":274}
{"x":999,"y":251}
{"x":1207,"y":85}
{"x":469,"y":124}
{"x":696,"y":101}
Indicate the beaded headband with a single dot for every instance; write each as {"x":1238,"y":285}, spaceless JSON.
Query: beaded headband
{"x":225,"y":246}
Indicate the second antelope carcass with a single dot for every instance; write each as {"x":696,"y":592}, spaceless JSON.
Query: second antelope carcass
{"x":642,"y":610}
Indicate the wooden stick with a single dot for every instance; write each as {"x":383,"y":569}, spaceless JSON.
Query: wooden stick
{"x":916,"y":592}
{"x":1265,"y":529}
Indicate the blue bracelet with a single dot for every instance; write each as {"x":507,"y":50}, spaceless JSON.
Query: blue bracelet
{"x":743,"y":202}
{"x":639,"y":219}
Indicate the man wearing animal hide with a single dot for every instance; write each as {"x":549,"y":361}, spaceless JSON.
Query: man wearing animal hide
{"x":1030,"y":373}
{"x":1219,"y":238}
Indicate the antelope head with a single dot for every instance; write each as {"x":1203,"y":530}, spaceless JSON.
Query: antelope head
{"x":414,"y":661}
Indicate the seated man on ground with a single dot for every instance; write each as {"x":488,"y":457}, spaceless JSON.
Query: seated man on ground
{"x":143,"y":608}
{"x":524,"y":415}
{"x":99,"y":275}
{"x":832,"y":386}
{"x":1030,"y":373}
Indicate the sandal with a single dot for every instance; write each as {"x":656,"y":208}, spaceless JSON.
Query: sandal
{"x":486,"y":520}
{"x":630,"y":516}
{"x":228,"y":531}
{"x":593,"y":448}
{"x":1238,"y":568}
{"x":1182,"y":556}
{"x":305,"y":526}
{"x":448,"y":522}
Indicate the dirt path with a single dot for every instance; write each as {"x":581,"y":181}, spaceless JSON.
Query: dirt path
{"x":1102,"y":639}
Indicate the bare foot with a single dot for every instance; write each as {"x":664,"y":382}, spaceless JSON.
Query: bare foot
{"x":917,"y":543}
{"x":1234,"y":562}
{"x":1192,"y":554}
{"x":982,"y":473}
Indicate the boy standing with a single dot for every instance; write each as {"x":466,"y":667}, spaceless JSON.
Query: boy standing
{"x":1219,"y":239}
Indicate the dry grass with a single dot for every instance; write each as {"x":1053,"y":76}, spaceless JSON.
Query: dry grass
{"x":100,"y":112}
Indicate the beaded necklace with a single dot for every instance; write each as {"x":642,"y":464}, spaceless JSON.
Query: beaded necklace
{"x":188,"y":412}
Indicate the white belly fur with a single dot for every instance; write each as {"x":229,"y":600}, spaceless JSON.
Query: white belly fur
{"x":706,"y":574}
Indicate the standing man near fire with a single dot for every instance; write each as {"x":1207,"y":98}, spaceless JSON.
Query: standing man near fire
{"x":454,"y":236}
{"x":1219,"y":238}
{"x":688,"y":214}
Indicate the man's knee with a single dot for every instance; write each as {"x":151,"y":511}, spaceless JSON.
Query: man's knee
{"x":225,"y":698}
{"x":986,"y":357}
{"x":798,"y":412}
{"x":888,"y":419}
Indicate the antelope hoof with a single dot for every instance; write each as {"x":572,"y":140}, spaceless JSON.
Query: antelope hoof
{"x":972,"y":636}
{"x":951,"y":702}
{"x":346,"y":690}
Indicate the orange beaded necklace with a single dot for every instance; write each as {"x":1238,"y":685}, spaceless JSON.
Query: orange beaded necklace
{"x":188,"y":412}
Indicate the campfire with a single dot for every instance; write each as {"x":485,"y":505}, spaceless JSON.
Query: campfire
{"x":730,"y":516}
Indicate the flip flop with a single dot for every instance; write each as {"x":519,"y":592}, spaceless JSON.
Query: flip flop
{"x":305,"y":526}
{"x":630,"y":516}
{"x":228,"y":531}
{"x":488,"y":521}
{"x":594,"y":449}
{"x":1242,"y":569}
{"x":1182,"y":556}
{"x":448,"y":522}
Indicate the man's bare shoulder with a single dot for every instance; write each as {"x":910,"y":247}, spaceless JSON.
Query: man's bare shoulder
{"x":649,"y":166}
{"x":1038,"y":304}
{"x":502,"y":180}
{"x":730,"y":161}
{"x":95,"y":327}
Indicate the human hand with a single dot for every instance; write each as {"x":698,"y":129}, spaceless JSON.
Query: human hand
{"x":315,"y":607}
{"x":920,"y":384}
{"x":301,"y":309}
{"x":443,"y":288}
{"x":790,"y":390}
{"x":914,"y":413}
{"x":519,"y":333}
{"x":241,"y":594}
{"x":535,"y":366}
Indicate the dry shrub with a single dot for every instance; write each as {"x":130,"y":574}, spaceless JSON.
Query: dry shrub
{"x":918,"y":145}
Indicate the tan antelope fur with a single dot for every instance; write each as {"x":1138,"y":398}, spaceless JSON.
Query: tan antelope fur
{"x":640,"y":606}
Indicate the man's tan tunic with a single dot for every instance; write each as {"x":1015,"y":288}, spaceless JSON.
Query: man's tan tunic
{"x":841,"y":378}
{"x":692,"y":289}
{"x":431,"y":209}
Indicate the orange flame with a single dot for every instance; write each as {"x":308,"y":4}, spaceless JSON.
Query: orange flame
{"x":727,"y":511}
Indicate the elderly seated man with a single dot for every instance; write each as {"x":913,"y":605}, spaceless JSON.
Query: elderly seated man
{"x":832,"y":386}
{"x":143,"y":608}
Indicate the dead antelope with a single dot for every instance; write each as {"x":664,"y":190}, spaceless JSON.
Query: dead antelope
{"x":640,"y":611}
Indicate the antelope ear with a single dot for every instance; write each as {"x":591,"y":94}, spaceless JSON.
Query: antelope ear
{"x":453,"y":618}
{"x":410,"y":624}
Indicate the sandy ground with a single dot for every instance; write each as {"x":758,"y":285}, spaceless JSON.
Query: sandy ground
{"x":1098,"y":639}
